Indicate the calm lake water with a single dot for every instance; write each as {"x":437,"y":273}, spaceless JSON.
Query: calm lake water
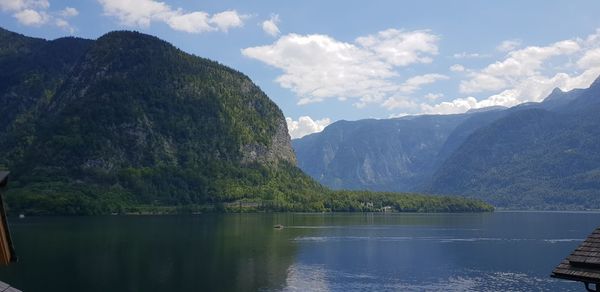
{"x":315,"y":252}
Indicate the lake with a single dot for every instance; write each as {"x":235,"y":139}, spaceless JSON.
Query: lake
{"x":314,"y":252}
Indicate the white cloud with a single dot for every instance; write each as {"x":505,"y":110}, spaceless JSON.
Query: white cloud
{"x":457,"y":68}
{"x":518,"y":65}
{"x":35,"y":13}
{"x":19,"y":5}
{"x":31,"y":17}
{"x":227,"y":19}
{"x":143,"y":12}
{"x":194,"y":22}
{"x":415,"y":83}
{"x":402,"y":48}
{"x":458,"y":105}
{"x":461,"y":105}
{"x":317,"y":67}
{"x":531,"y":89}
{"x":508,"y":45}
{"x":69,"y":12}
{"x":305,"y":125}
{"x":138,"y":12}
{"x":524,"y":75}
{"x":270,"y":26}
{"x":590,"y":59}
{"x":368,"y":70}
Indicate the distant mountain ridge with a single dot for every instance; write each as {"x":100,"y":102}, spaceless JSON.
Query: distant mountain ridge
{"x":532,"y":158}
{"x":520,"y":157}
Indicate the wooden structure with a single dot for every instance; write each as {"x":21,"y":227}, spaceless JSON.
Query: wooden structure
{"x":7,"y":251}
{"x":583,"y":264}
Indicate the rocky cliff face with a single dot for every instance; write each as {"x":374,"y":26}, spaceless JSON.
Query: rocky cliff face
{"x":395,"y":154}
{"x":280,"y":148}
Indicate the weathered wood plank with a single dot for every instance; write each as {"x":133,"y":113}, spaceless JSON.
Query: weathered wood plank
{"x":583,"y":264}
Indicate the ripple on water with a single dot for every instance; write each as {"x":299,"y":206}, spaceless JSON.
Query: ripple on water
{"x":319,"y":278}
{"x":440,"y":239}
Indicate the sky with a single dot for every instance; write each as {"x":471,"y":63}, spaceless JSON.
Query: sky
{"x":324,"y":61}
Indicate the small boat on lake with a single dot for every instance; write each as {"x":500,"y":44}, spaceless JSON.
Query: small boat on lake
{"x":278,"y":226}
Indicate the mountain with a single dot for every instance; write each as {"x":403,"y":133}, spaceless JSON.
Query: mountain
{"x":389,"y":154}
{"x":31,"y":71}
{"x":583,"y":100}
{"x":532,"y":158}
{"x":535,"y":155}
{"x":129,"y":123}
{"x":133,"y":118}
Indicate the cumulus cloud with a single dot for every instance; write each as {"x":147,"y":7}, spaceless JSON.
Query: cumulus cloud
{"x":226,"y":20}
{"x":590,"y":59}
{"x":36,"y":13}
{"x":402,"y":48}
{"x":270,"y":27}
{"x":317,"y":66}
{"x":369,"y":70}
{"x":518,"y":65}
{"x":31,"y":17}
{"x":194,"y":22}
{"x":461,"y":105}
{"x":532,"y":89}
{"x":142,"y":13}
{"x":458,"y":105}
{"x":305,"y":125}
{"x":525,"y":75}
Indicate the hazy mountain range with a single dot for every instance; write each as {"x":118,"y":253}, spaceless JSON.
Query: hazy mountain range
{"x":536,"y":155}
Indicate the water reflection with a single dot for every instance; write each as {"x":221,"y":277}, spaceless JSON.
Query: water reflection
{"x":314,"y":252}
{"x":201,"y":253}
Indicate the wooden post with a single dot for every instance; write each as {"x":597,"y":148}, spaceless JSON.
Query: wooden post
{"x":7,"y":253}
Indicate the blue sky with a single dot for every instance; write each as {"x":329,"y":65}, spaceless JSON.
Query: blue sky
{"x":323,"y":61}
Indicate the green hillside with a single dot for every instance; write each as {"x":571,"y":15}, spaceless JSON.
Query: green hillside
{"x":532,"y":158}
